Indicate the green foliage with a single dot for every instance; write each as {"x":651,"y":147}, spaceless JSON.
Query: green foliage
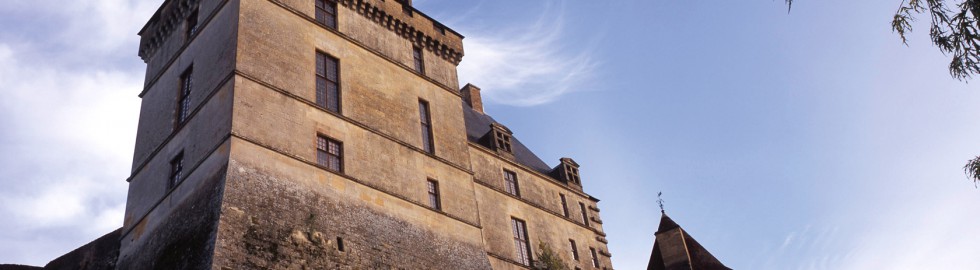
{"x":547,"y":259}
{"x":972,"y":170}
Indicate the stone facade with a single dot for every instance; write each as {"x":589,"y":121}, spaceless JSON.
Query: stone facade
{"x":252,"y":194}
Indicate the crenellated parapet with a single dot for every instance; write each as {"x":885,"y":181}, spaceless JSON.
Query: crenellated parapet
{"x":409,"y":23}
{"x":165,"y":21}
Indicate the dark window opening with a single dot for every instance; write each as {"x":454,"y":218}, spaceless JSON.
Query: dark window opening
{"x":329,"y":154}
{"x":521,"y":243}
{"x":502,"y":140}
{"x":595,"y":258}
{"x":434,"y":201}
{"x":571,"y":174}
{"x":340,"y":244}
{"x":585,"y":215}
{"x":184,"y":97}
{"x":564,"y":205}
{"x":510,"y":183}
{"x":574,"y":249}
{"x":327,"y":82}
{"x":192,"y":24}
{"x":426,"y":122}
{"x":417,"y":57}
{"x":176,"y":171}
{"x":326,"y":13}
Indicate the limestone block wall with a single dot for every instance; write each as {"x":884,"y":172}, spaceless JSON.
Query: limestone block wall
{"x":212,"y":55}
{"x":179,"y":233}
{"x":290,"y":126}
{"x":277,"y":47}
{"x":198,"y":140}
{"x":282,"y":213}
{"x":539,"y":205}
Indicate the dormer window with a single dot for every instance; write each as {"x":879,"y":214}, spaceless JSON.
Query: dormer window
{"x":501,"y":139}
{"x":568,"y":172}
{"x":571,"y":175}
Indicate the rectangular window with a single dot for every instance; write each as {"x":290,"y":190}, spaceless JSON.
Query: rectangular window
{"x":191,"y":24}
{"x":585,"y":215}
{"x":326,"y":13}
{"x":595,"y":259}
{"x":176,"y":171}
{"x":184,"y":97}
{"x":502,"y":140}
{"x":510,"y":183}
{"x":419,"y":60}
{"x":521,"y":243}
{"x":426,"y":121}
{"x":572,"y":175}
{"x":434,"y":199}
{"x":330,"y":154}
{"x":564,"y":205}
{"x":327,"y":82}
{"x":574,"y":249}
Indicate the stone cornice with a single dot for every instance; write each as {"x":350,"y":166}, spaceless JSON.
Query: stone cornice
{"x":420,"y":30}
{"x":168,"y":18}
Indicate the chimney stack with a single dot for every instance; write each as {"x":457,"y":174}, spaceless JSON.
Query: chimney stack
{"x":471,"y":94}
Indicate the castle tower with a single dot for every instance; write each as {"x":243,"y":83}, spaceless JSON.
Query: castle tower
{"x":333,"y":134}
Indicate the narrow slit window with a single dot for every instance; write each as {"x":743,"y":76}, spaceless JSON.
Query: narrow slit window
{"x":426,"y":123}
{"x":330,"y":154}
{"x":564,"y":205}
{"x":340,"y":244}
{"x":184,"y":97}
{"x":176,"y":171}
{"x":510,"y":183}
{"x":326,"y":13}
{"x":327,"y":82}
{"x":571,"y":243}
{"x":595,"y":258}
{"x":585,"y":214}
{"x":521,"y":242}
{"x":419,"y":60}
{"x":434,"y":200}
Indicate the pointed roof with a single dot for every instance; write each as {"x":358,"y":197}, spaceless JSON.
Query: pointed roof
{"x":674,"y":249}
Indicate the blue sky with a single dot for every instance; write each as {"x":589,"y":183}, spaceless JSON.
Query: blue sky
{"x":808,"y":140}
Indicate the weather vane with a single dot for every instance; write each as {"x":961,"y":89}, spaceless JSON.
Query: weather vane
{"x":660,"y":200}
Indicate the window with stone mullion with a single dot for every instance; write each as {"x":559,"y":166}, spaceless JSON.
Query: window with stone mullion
{"x":327,"y":82}
{"x":510,"y":183}
{"x":326,"y":13}
{"x":521,"y":243}
{"x":329,"y":154}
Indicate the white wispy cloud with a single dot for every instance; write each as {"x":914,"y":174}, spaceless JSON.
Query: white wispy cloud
{"x":69,"y":113}
{"x":525,"y":64}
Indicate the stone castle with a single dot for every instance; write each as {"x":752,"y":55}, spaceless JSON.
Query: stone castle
{"x":330,"y":134}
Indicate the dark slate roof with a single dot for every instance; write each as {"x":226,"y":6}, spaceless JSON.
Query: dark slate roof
{"x":478,"y":125}
{"x":666,"y":223}
{"x":698,"y":257}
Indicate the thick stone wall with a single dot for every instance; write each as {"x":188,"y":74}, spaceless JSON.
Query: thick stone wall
{"x":184,"y":239}
{"x":100,"y":254}
{"x":275,"y":219}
